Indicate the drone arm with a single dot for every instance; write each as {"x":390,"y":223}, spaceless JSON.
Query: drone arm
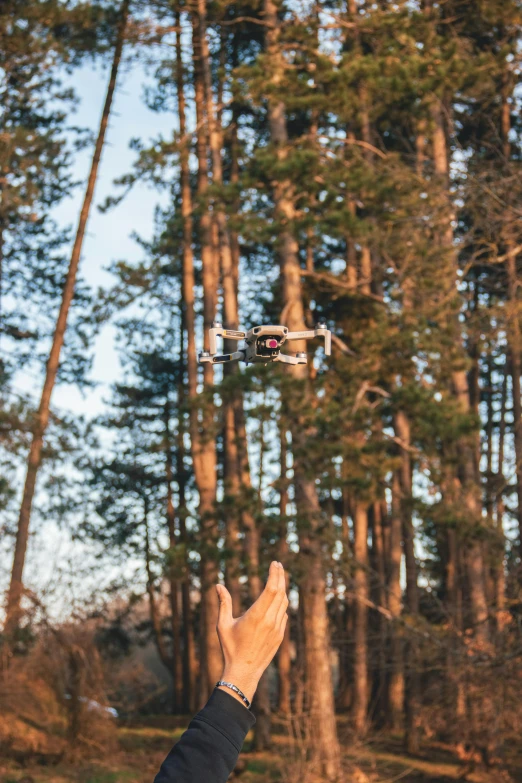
{"x":320,"y":331}
{"x":307,"y":335}
{"x":218,"y":331}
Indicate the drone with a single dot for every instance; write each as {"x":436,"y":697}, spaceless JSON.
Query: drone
{"x":263,"y":344}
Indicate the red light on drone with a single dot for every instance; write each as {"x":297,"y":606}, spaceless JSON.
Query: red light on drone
{"x":272,"y":343}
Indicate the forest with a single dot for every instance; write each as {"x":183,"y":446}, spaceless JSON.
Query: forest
{"x":346,"y":162}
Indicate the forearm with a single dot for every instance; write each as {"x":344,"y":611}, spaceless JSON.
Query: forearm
{"x":209,"y":749}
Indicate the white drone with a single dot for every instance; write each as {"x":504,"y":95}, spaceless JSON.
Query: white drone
{"x":263,"y":344}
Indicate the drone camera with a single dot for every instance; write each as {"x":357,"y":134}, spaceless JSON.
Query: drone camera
{"x":268,"y":345}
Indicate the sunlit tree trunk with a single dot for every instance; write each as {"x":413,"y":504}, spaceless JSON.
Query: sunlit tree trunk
{"x":500,"y":572}
{"x":202,"y":425}
{"x":187,"y":327}
{"x":237,"y":473}
{"x":396,"y":679}
{"x":471,"y":490}
{"x":154,"y":614}
{"x":345,"y":695}
{"x":319,"y":684}
{"x":172,"y":569}
{"x":513,"y":313}
{"x":230,"y":321}
{"x":42,"y":415}
{"x":379,"y":597}
{"x":360,"y":624}
{"x":283,"y":654}
{"x":252,"y":539}
{"x":411,"y":702}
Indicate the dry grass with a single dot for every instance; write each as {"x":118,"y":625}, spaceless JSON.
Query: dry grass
{"x":142,"y":747}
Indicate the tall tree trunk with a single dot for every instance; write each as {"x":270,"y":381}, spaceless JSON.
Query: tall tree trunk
{"x":189,"y":663}
{"x":236,"y":466}
{"x":203,"y":444}
{"x":325,"y":749}
{"x":412,"y":690}
{"x":513,"y":316}
{"x":188,"y":326}
{"x":261,"y":705}
{"x":177,"y":671}
{"x":345,"y":695}
{"x":231,"y":321}
{"x":42,"y":416}
{"x":455,"y":684}
{"x":396,"y":680}
{"x":360,"y":626}
{"x":283,"y":654}
{"x":500,"y":574}
{"x":155,"y":618}
{"x":469,"y":480}
{"x":379,"y":597}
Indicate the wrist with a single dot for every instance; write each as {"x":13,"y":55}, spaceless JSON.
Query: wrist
{"x":245,"y":681}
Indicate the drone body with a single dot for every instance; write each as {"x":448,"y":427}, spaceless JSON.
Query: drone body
{"x":263,"y":344}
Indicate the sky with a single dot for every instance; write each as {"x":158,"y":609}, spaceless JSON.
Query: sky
{"x":109,"y":234}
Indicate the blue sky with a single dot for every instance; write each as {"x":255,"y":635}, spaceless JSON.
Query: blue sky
{"x":109,"y":234}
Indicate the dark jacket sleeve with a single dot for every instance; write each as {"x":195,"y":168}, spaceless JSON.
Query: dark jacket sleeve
{"x":207,"y":752}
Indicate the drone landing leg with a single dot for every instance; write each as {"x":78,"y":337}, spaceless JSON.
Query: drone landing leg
{"x":221,"y":358}
{"x":285,"y":359}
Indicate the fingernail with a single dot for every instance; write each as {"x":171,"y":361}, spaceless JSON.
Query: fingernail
{"x":279,"y":564}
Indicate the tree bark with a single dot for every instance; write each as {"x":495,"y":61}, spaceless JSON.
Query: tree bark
{"x":177,"y":671}
{"x":187,"y":325}
{"x":360,"y":625}
{"x":203,"y":444}
{"x":283,"y":654}
{"x":500,"y":573}
{"x":412,"y":689}
{"x":325,"y":748}
{"x":261,"y":705}
{"x":237,"y":471}
{"x":14,"y":595}
{"x":345,"y":695}
{"x":513,"y":318}
{"x":379,"y":597}
{"x":231,"y":321}
{"x":396,"y":680}
{"x":468,"y":478}
{"x":155,"y":619}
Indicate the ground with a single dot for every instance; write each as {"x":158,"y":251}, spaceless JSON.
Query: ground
{"x":143,"y":744}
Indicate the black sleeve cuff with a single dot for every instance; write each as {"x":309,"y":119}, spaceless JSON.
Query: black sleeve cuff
{"x":229,"y":716}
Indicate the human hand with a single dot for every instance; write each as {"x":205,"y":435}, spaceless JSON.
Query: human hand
{"x":250,"y":642}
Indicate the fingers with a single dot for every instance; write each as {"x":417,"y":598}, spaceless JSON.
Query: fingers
{"x":225,"y":606}
{"x":274,"y":592}
{"x":281,"y":612}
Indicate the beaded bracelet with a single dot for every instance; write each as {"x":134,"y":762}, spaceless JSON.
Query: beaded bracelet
{"x":236,"y":689}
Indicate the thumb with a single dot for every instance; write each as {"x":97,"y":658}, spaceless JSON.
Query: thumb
{"x":225,"y":605}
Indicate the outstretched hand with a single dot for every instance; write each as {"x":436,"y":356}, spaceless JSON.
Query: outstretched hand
{"x":250,"y":642}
